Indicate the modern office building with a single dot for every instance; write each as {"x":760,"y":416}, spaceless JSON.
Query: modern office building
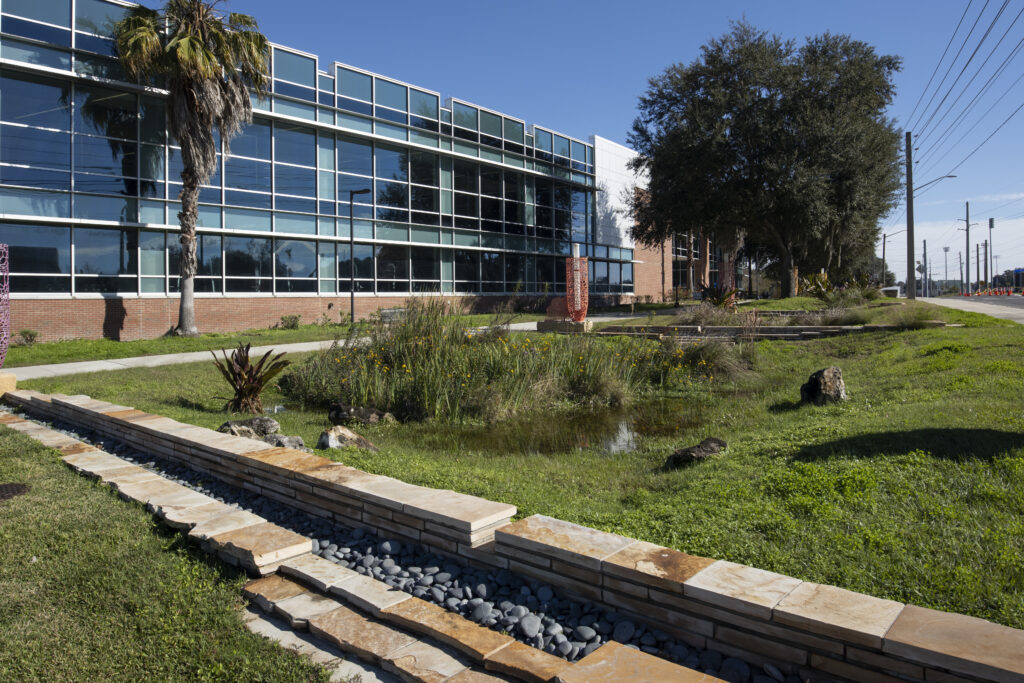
{"x":446,"y":196}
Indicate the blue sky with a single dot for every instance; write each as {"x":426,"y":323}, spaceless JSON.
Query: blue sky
{"x":578,"y":67}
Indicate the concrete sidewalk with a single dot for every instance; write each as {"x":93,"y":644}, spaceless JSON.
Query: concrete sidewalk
{"x":1007,"y":310}
{"x":57,"y":369}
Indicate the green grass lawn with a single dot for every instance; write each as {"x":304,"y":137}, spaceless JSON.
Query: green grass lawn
{"x":912,"y":490}
{"x":93,"y":589}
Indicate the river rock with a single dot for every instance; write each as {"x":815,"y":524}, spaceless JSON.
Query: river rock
{"x":692,"y":454}
{"x":253,"y":428}
{"x":824,"y":386}
{"x":529,"y":626}
{"x":343,"y":437}
{"x":339,"y":413}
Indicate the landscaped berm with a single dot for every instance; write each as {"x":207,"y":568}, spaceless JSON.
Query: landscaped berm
{"x":519,"y":519}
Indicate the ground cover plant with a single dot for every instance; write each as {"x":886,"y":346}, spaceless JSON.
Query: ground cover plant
{"x":93,"y":589}
{"x":430,"y":365}
{"x":912,"y":490}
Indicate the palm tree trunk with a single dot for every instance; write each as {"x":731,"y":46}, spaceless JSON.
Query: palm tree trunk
{"x":187,"y":220}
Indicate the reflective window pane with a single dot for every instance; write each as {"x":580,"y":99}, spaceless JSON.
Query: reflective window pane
{"x":354,"y":84}
{"x":253,"y":141}
{"x":294,"y":144}
{"x":37,"y":248}
{"x":34,"y":54}
{"x":35,"y":101}
{"x":514,"y":131}
{"x":294,"y":180}
{"x":52,"y":12}
{"x":423,"y":104}
{"x":392,"y":194}
{"x":151,"y":253}
{"x":247,"y":256}
{"x":390,"y":94}
{"x":246,"y":174}
{"x":105,"y":112}
{"x":105,"y":252}
{"x":295,"y":68}
{"x":295,"y":258}
{"x":364,"y":261}
{"x":466,"y":176}
{"x":464,"y":115}
{"x":392,"y":163}
{"x":208,"y":256}
{"x":35,"y":147}
{"x":105,"y":155}
{"x":392,"y":262}
{"x":355,"y":157}
{"x":96,"y":16}
{"x":490,"y":124}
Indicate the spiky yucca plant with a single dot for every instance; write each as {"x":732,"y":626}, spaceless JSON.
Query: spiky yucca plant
{"x":248,"y":379}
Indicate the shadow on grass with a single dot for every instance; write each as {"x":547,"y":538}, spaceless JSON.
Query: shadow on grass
{"x":953,"y":444}
{"x":784,"y":407}
{"x":189,"y":404}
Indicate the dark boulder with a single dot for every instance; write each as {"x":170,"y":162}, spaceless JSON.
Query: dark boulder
{"x":339,"y":436}
{"x":339,"y":413}
{"x":824,"y":386}
{"x":692,"y":454}
{"x":260,"y":426}
{"x":282,"y":441}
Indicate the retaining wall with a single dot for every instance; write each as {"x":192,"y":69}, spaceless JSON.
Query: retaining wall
{"x":812,"y":630}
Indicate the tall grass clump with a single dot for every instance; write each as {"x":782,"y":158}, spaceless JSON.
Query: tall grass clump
{"x":431,"y":366}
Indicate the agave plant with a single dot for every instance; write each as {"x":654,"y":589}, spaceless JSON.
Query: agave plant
{"x":248,"y":379}
{"x":719,"y":297}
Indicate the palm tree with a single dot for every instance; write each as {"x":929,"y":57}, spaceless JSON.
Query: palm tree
{"x":208,"y":61}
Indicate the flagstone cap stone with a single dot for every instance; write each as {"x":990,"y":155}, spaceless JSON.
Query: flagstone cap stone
{"x":145,"y":491}
{"x":262,"y":544}
{"x":229,"y":521}
{"x":76,"y":448}
{"x":743,"y":589}
{"x":526,"y":663}
{"x":474,"y":676}
{"x":187,"y":517}
{"x":335,"y":475}
{"x":839,"y":613}
{"x":299,"y":609}
{"x":957,"y":642}
{"x":369,"y":594}
{"x":615,"y":663}
{"x":577,"y":544}
{"x":290,"y":459}
{"x":317,"y":572}
{"x":350,"y":631}
{"x":459,"y":511}
{"x":655,"y":565}
{"x":127,"y":474}
{"x":270,"y":589}
{"x":450,"y":628}
{"x":92,"y":461}
{"x":419,"y":661}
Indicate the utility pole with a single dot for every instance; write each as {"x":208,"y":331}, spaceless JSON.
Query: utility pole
{"x":945,"y":260}
{"x":988,"y":283}
{"x":911,"y":279}
{"x":924,"y":268}
{"x":977,"y":266}
{"x":967,"y":247}
{"x":991,"y":224}
{"x":883,"y":263}
{"x":960,"y":260}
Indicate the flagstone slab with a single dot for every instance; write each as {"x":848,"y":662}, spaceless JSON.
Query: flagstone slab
{"x":298,"y":610}
{"x":747,"y":590}
{"x":460,"y":511}
{"x":271,"y":589}
{"x":369,"y":594}
{"x":262,"y":544}
{"x":526,"y":663}
{"x":426,"y":662}
{"x":450,"y":628}
{"x":293,"y":460}
{"x":573,"y":543}
{"x":352,"y":632}
{"x":843,"y":614}
{"x":957,"y":642}
{"x":127,"y":474}
{"x":477,"y":676}
{"x":316,"y":571}
{"x":76,"y":448}
{"x":229,"y":521}
{"x":654,"y":565}
{"x":387,"y":492}
{"x":145,"y":491}
{"x":615,"y":663}
{"x":187,"y":517}
{"x":92,"y":461}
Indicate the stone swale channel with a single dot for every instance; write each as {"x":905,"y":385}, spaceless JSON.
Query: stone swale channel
{"x":530,"y":611}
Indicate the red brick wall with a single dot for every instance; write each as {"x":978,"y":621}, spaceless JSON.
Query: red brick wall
{"x":647,"y":276}
{"x":126,"y":319}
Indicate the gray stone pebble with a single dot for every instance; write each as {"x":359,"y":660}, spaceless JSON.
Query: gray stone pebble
{"x":529,"y":626}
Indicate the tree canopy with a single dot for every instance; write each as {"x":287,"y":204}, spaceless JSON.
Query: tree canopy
{"x":786,"y":150}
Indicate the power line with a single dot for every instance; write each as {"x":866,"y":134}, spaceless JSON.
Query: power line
{"x":977,"y":47}
{"x":950,"y":67}
{"x":937,"y":65}
{"x":923,"y":138}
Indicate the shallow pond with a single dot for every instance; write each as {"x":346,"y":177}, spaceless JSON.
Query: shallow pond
{"x":604,"y":431}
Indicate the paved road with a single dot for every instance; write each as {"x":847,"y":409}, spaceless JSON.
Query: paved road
{"x":58,"y":369}
{"x":1006,"y":307}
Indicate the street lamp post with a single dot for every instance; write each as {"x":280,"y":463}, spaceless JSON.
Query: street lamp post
{"x":352,"y":253}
